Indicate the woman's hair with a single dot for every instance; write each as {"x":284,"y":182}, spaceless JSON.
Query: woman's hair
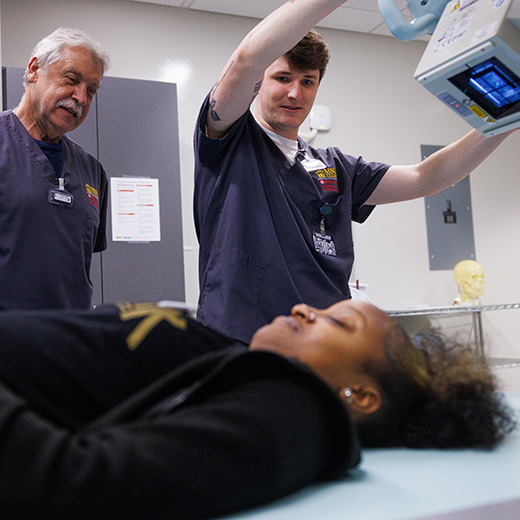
{"x":50,"y":49}
{"x":435,"y":395}
{"x":310,"y":53}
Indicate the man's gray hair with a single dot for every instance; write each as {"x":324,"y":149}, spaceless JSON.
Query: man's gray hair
{"x":50,"y":49}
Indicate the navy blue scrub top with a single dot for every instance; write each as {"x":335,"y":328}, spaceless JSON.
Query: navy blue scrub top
{"x":46,"y":249}
{"x":257,"y":218}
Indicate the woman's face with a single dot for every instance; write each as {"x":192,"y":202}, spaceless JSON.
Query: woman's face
{"x":335,"y":342}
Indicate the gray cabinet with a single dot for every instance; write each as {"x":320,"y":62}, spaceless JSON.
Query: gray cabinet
{"x":132,"y":128}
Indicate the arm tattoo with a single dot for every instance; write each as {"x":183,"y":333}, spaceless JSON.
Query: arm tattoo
{"x":213,"y":113}
{"x":212,"y":101}
{"x":256,"y":90}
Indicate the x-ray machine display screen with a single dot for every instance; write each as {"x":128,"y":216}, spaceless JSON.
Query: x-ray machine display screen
{"x":492,"y":85}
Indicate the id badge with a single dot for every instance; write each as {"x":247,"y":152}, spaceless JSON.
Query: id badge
{"x":324,"y":244}
{"x":311,"y":165}
{"x":61,"y":198}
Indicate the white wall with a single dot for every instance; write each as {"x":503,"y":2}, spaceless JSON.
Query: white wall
{"x":379,"y":112}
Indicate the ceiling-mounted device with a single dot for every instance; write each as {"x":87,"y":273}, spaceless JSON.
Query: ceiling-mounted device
{"x":424,"y":14}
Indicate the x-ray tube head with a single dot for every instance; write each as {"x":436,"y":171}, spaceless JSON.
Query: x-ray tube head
{"x":472,"y":63}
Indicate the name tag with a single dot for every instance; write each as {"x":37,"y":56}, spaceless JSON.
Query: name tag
{"x":311,"y":165}
{"x":61,"y":197}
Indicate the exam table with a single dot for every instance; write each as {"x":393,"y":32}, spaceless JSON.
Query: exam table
{"x":405,"y":484}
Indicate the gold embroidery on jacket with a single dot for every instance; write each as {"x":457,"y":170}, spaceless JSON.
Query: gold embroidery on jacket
{"x":152,"y":316}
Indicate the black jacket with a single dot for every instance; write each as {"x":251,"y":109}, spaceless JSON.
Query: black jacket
{"x":230,"y":430}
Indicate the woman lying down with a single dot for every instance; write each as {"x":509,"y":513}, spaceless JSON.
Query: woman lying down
{"x":136,"y":411}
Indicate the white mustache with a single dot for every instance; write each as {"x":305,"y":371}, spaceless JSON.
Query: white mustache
{"x":71,"y":105}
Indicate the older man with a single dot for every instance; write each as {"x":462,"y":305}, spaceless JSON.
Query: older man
{"x":54,"y":193}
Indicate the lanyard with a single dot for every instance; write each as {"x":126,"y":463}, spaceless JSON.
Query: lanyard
{"x":311,"y":164}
